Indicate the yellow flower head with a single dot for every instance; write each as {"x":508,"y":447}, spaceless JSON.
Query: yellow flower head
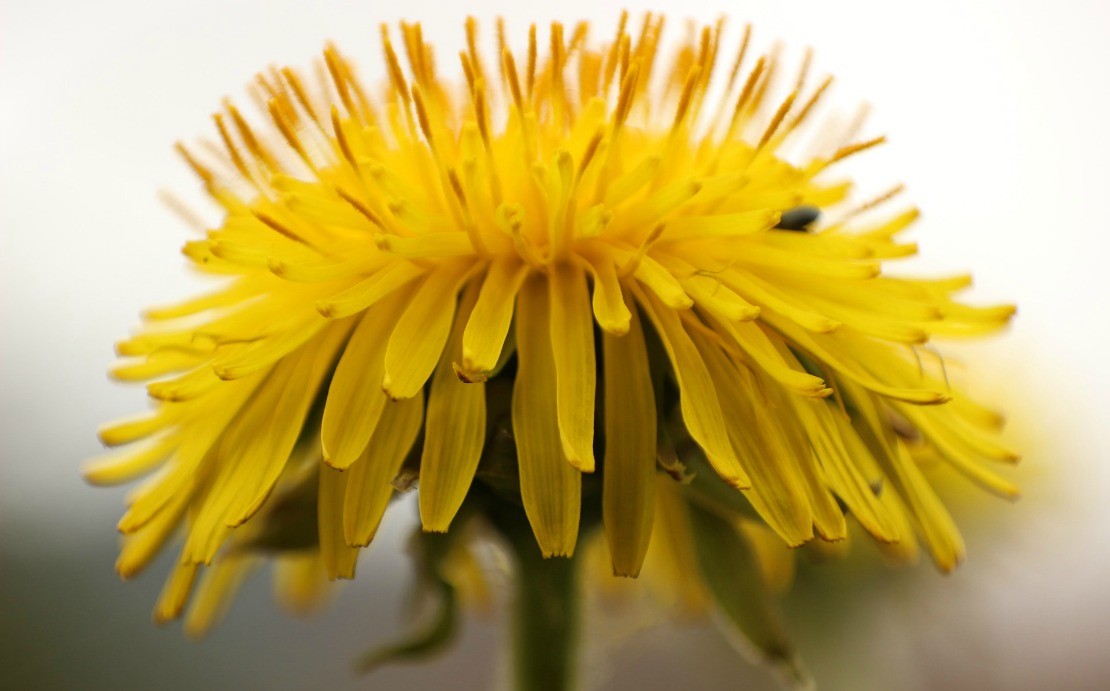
{"x":582,"y":226}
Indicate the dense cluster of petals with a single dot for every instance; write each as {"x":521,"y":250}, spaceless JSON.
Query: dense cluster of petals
{"x":580,"y":220}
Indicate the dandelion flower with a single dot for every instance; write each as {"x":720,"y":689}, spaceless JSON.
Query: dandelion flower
{"x":573,"y":249}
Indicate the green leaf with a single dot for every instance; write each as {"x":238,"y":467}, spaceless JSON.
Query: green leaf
{"x":439,"y":630}
{"x":422,"y":642}
{"x":728,"y":565}
{"x":710,"y":489}
{"x":289,"y":523}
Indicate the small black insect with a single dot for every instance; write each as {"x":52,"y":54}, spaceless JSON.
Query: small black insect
{"x":799,"y":218}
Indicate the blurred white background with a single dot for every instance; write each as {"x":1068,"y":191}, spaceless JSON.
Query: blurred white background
{"x":996,"y":113}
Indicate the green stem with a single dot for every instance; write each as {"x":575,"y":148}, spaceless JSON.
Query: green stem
{"x":545,"y":611}
{"x":545,"y":626}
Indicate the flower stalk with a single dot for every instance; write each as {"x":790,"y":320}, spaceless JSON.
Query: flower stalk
{"x":545,"y":615}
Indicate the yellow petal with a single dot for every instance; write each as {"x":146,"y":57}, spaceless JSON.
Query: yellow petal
{"x":180,"y":474}
{"x":550,"y":488}
{"x":953,"y":435}
{"x":484,"y":337}
{"x":134,"y":428}
{"x":238,"y":361}
{"x":760,"y":293}
{"x":300,"y":583}
{"x":758,"y":346}
{"x":421,"y":332}
{"x":628,"y":493}
{"x":175,"y":593}
{"x":363,"y":295}
{"x":774,"y":260}
{"x":455,"y":431}
{"x":215,"y":593}
{"x":140,"y":548}
{"x":269,"y":432}
{"x":719,"y":299}
{"x":256,"y":446}
{"x":833,"y":353}
{"x":156,"y":364}
{"x":720,"y":225}
{"x":663,"y":284}
{"x":572,"y":346}
{"x":355,"y":399}
{"x":791,"y":441}
{"x":610,"y":309}
{"x":230,"y":295}
{"x":837,"y":447}
{"x":448,"y":244}
{"x":778,"y":490}
{"x":370,"y":484}
{"x":942,"y":537}
{"x":116,"y":467}
{"x":186,"y":387}
{"x":698,"y":395}
{"x":938,"y":530}
{"x":339,"y":558}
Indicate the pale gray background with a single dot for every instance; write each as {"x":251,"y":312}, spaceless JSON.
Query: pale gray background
{"x":997,"y":114}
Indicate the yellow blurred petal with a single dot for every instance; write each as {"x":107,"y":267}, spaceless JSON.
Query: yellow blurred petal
{"x":231,"y":295}
{"x":215,"y":593}
{"x":137,"y":427}
{"x":175,"y":593}
{"x":116,"y":467}
{"x":671,"y":554}
{"x":776,"y":560}
{"x":300,"y":582}
{"x":141,"y":547}
{"x":339,"y":558}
